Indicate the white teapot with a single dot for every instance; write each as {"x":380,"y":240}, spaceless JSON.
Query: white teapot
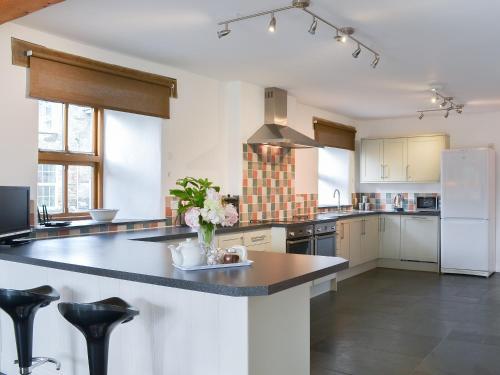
{"x":187,"y":254}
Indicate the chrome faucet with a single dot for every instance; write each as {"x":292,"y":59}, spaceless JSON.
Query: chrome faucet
{"x":334,"y":194}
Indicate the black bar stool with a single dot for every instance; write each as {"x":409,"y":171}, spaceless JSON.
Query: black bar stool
{"x":96,"y":321}
{"x":21,"y":306}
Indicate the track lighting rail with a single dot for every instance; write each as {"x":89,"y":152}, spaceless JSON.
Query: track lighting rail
{"x":342,"y":33}
{"x":448,"y":105}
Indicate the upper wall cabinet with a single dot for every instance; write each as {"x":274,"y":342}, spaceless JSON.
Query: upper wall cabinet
{"x":411,"y":159}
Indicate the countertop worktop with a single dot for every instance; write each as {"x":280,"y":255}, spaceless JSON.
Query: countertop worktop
{"x":123,"y":256}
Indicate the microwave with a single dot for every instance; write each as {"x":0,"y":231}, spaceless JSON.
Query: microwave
{"x":426,"y":203}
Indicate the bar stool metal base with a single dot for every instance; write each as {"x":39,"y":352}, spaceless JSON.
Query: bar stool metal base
{"x":38,"y":361}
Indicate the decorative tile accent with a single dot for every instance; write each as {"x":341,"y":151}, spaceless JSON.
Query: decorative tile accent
{"x":268,"y":183}
{"x":306,"y":204}
{"x":380,"y":200}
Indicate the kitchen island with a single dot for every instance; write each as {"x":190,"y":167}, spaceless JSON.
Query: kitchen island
{"x":251,"y":320}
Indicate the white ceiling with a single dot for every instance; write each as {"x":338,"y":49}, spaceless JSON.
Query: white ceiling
{"x":451,"y":42}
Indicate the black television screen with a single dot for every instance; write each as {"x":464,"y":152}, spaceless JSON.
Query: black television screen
{"x":14,"y":212}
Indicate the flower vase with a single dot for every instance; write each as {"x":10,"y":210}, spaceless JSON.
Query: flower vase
{"x":206,"y":239}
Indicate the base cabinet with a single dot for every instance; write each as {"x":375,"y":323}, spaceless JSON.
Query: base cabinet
{"x":357,"y":240}
{"x":420,"y":238}
{"x":390,"y":237}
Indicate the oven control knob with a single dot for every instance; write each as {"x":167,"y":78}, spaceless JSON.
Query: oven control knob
{"x":291,"y":234}
{"x":318,"y":229}
{"x":333,"y":228}
{"x":309,"y":231}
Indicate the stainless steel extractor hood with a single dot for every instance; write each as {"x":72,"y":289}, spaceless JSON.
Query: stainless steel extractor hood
{"x":275,"y":131}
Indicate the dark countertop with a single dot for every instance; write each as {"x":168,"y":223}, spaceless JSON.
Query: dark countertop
{"x":117,"y":256}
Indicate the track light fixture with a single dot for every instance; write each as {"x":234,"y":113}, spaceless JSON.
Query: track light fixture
{"x":375,"y":61}
{"x":314,"y":26}
{"x":342,"y":34}
{"x":225,"y":31}
{"x":272,"y":24}
{"x":447,"y":105}
{"x":356,"y":52}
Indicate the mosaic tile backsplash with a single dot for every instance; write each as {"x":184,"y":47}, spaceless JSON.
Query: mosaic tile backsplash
{"x":379,"y":201}
{"x":268,"y":188}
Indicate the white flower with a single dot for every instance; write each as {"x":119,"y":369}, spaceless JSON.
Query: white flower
{"x":213,"y":195}
{"x":192,"y":217}
{"x":230,"y":216}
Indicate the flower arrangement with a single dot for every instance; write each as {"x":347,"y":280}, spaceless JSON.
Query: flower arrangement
{"x":201,"y":203}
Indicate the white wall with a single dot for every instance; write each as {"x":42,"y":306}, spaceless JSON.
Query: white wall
{"x":132,"y":165}
{"x":466,"y":130}
{"x":209,"y":121}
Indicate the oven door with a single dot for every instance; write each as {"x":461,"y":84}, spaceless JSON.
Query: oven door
{"x":325,"y":245}
{"x":300,"y":246}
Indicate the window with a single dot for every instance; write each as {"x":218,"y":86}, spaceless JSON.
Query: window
{"x":335,"y":171}
{"x":69,"y":159}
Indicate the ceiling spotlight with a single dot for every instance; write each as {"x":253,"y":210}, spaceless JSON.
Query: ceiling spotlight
{"x":356,"y":52}
{"x":459,"y":108}
{"x":375,"y":61}
{"x":447,"y":114}
{"x":314,"y":25}
{"x":434,"y":99}
{"x":222,"y":33}
{"x":421,"y":116}
{"x":272,"y":24}
{"x":340,"y":38}
{"x":443,"y":104}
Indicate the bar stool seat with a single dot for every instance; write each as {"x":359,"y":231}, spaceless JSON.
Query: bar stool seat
{"x":21,"y":306}
{"x":96,"y":321}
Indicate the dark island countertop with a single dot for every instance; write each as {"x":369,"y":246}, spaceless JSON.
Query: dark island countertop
{"x":123,"y":256}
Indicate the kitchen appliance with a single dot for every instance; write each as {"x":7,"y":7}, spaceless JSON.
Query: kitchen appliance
{"x":14,"y":214}
{"x":232,"y":199}
{"x":300,"y":239}
{"x":468,"y":211}
{"x":398,"y":202}
{"x":426,"y":202}
{"x":275,"y":131}
{"x":325,"y":239}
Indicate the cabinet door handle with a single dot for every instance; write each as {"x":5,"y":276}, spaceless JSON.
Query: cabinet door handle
{"x":384,"y":224}
{"x":342,"y":236}
{"x":382,"y":171}
{"x":407,"y":172}
{"x":258,"y":238}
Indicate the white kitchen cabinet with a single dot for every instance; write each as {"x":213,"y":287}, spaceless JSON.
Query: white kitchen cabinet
{"x":371,"y":160}
{"x":424,"y":158}
{"x":407,"y":159}
{"x":358,"y":240}
{"x":390,"y":236}
{"x":259,"y":240}
{"x":225,"y":241}
{"x":369,"y":239}
{"x":355,"y":233}
{"x":394,"y":159}
{"x":420,"y":238}
{"x":342,"y":245}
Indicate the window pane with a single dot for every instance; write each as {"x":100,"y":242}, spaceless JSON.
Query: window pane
{"x":80,"y":188}
{"x":335,"y":171}
{"x":50,"y":126}
{"x":50,"y":187}
{"x":80,"y":128}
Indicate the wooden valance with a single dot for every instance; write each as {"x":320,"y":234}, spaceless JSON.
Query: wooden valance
{"x":12,"y":9}
{"x":62,"y":77}
{"x":333,"y":134}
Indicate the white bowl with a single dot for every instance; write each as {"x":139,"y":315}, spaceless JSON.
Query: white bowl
{"x":103,"y":215}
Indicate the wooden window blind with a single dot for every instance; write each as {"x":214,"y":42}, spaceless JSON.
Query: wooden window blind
{"x":332,"y":134}
{"x":61,"y":77}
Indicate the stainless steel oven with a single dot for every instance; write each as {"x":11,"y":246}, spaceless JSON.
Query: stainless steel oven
{"x":299,"y":239}
{"x":325,"y":239}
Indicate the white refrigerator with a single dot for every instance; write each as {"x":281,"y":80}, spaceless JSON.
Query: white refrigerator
{"x":468,"y":211}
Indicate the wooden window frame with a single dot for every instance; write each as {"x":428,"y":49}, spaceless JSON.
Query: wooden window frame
{"x":67,"y":158}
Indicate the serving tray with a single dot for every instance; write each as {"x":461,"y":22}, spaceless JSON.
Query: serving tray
{"x":215,"y":266}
